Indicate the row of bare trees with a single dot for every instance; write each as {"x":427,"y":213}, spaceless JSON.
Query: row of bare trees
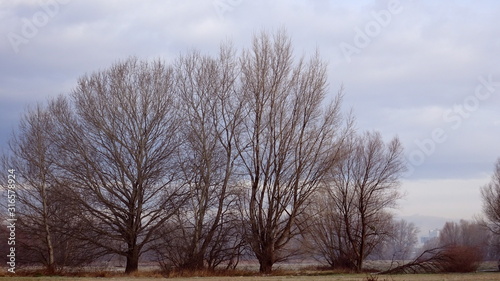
{"x":202,"y":162}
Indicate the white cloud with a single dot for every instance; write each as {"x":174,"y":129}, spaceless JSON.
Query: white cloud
{"x":449,"y":198}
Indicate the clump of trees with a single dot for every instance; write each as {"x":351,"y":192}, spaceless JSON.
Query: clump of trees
{"x":460,"y":247}
{"x":201,"y":162}
{"x":465,"y":244}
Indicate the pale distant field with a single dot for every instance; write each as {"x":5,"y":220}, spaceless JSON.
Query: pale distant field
{"x":487,"y":276}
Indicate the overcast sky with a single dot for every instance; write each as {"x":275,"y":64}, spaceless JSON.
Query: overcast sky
{"x":426,"y":71}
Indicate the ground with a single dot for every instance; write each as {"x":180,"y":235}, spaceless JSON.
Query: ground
{"x":481,"y":276}
{"x":290,"y":272}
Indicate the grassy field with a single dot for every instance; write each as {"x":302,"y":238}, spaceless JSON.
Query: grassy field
{"x":486,"y":276}
{"x":283,"y":272}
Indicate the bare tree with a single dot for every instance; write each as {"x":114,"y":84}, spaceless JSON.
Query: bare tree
{"x":325,"y":237}
{"x":289,"y":142}
{"x":472,"y":235}
{"x":491,"y":200}
{"x":462,"y":233}
{"x":42,"y":209}
{"x":32,"y":156}
{"x":402,"y":241}
{"x":361,"y":189}
{"x":117,"y":138}
{"x":212,"y":115}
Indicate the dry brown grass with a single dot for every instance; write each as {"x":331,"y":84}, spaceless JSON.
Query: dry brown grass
{"x":284,"y":273}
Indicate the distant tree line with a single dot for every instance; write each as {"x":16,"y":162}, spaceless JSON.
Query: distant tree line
{"x":202,"y":162}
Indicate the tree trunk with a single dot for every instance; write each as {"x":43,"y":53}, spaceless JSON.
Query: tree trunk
{"x":266,"y":265}
{"x":51,"y":266}
{"x":194,"y":263}
{"x":266,"y":259}
{"x":359,"y":264}
{"x":132,"y":260}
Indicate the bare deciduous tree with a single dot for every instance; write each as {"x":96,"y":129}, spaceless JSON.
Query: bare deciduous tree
{"x":361,"y":189}
{"x":289,"y":141}
{"x":32,"y":157}
{"x":464,"y":233}
{"x":324,"y":237}
{"x":211,"y":113}
{"x":401,"y":243}
{"x":42,"y":209}
{"x":491,"y":200}
{"x":118,"y":139}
